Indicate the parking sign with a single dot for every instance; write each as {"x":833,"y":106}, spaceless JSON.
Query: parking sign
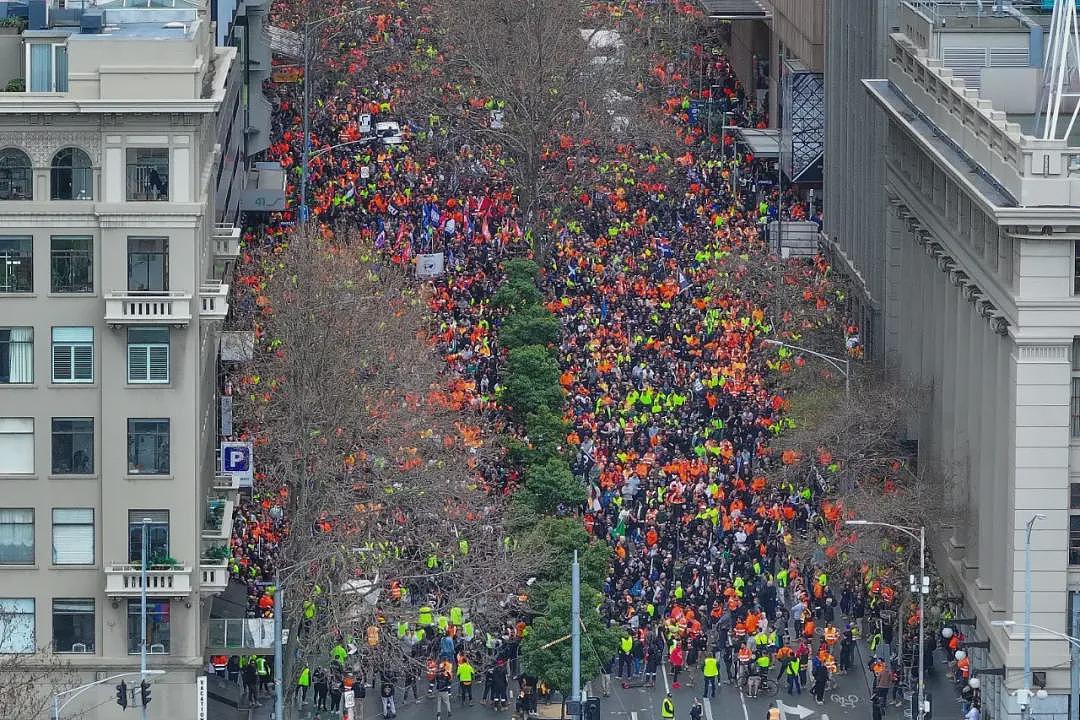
{"x":236,"y":461}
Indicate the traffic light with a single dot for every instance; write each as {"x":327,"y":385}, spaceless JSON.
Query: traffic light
{"x":592,"y":709}
{"x":144,"y":690}
{"x":121,"y":695}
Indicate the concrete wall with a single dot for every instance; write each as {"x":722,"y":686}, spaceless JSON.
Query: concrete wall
{"x":854,"y":219}
{"x":800,"y":26}
{"x":12,"y":57}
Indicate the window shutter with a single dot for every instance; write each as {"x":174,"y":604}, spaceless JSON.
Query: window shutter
{"x":137,"y":363}
{"x":62,"y":362}
{"x":158,"y":363}
{"x":83,"y":362}
{"x":74,"y":544}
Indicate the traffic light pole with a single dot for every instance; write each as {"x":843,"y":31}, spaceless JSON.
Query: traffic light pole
{"x":76,"y":692}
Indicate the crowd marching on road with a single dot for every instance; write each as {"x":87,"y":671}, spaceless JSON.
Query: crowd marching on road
{"x":666,"y":382}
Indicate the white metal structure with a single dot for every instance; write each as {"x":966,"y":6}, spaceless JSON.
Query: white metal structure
{"x":1060,"y":69}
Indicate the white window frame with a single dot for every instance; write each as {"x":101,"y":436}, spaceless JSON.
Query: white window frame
{"x":53,"y":79}
{"x":79,"y":529}
{"x":72,"y":346}
{"x":13,"y":434}
{"x":12,"y":612}
{"x":147,"y":363}
{"x":33,"y":537}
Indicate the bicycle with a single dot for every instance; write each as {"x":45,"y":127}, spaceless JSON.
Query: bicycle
{"x":768,"y":686}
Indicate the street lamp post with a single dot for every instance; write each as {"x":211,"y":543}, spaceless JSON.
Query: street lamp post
{"x":923,"y":588}
{"x":77,"y":691}
{"x":842,"y":365}
{"x":308,"y":27}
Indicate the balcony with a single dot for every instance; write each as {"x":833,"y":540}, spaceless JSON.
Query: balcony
{"x":241,"y":634}
{"x":147,"y":307}
{"x":215,"y":576}
{"x":226,"y":240}
{"x":219,"y":519}
{"x":124,"y":580}
{"x":226,"y":481}
{"x":215,"y":300}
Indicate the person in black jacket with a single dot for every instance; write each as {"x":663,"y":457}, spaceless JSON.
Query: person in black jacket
{"x":251,"y":685}
{"x":498,"y":685}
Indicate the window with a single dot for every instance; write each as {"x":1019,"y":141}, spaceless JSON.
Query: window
{"x":73,"y":536}
{"x":16,"y":446}
{"x":47,"y":65}
{"x":1076,"y":267}
{"x":16,"y":355}
{"x":148,"y":264}
{"x":73,"y":446}
{"x":17,"y":625}
{"x":148,"y":354}
{"x":148,"y":447}
{"x":71,"y":176}
{"x":157,"y":626}
{"x":1074,"y":496}
{"x":16,"y":260}
{"x":73,"y":354}
{"x":16,"y":536}
{"x":16,"y":175}
{"x":1074,"y":539}
{"x":148,"y":174}
{"x":73,"y":625}
{"x":157,"y":531}
{"x":72,"y":264}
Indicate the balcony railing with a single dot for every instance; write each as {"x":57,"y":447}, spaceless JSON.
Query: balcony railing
{"x":240,"y":634}
{"x":150,"y":307}
{"x":147,"y":182}
{"x":226,"y":239}
{"x":219,"y":520}
{"x":214,"y":297}
{"x":125,"y":580}
{"x":226,"y":481}
{"x":215,"y":576}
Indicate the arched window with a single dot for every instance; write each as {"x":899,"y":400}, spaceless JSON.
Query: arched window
{"x":72,"y":178}
{"x":16,"y":175}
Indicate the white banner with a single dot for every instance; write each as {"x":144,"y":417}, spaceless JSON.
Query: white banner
{"x":200,"y":705}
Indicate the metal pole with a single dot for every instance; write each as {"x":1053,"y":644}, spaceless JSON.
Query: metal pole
{"x":1026,"y":708}
{"x":847,"y":380}
{"x":307,"y":128}
{"x":279,"y":651}
{"x":922,"y":623}
{"x":575,"y":629}
{"x":142,"y":613}
{"x":56,"y":707}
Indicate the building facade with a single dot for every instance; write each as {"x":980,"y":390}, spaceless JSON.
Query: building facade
{"x":968,"y":266}
{"x":114,"y":272}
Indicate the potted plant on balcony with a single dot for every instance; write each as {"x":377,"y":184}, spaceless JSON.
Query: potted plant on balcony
{"x":217,"y":554}
{"x":12,"y":26}
{"x":164,"y":562}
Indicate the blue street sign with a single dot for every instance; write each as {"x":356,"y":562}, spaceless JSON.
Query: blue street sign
{"x":236,"y":460}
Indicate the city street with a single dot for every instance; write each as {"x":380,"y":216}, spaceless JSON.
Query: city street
{"x":848,"y":701}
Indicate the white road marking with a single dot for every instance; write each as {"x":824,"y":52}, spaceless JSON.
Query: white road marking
{"x":708,"y":709}
{"x":667,"y":688}
{"x":633,"y":716}
{"x":745,"y":713}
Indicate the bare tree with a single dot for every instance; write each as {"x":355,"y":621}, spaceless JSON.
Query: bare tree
{"x":536,"y":80}
{"x":28,"y":681}
{"x":378,"y":457}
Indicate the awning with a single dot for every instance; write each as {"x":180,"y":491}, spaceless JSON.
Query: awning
{"x":764,"y":144}
{"x":735,"y":10}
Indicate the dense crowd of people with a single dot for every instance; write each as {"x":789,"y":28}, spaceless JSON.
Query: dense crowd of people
{"x":667,"y":384}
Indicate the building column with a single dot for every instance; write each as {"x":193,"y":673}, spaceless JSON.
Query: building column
{"x":1041,"y":481}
